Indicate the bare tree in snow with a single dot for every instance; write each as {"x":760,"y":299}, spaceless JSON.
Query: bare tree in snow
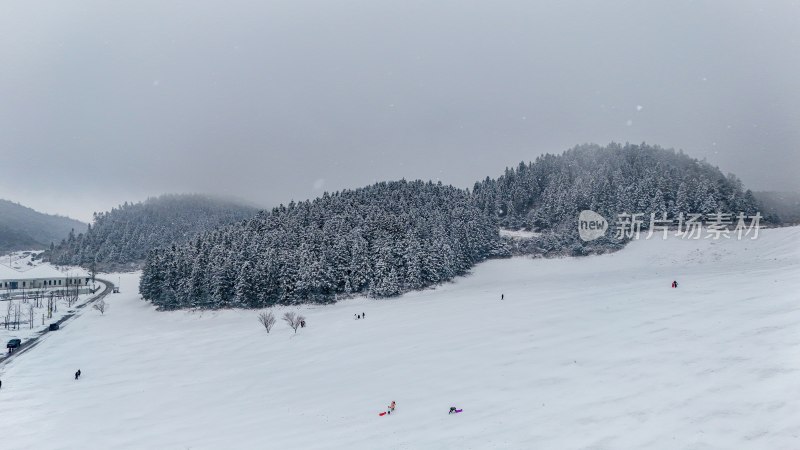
{"x":51,"y":303}
{"x":9,"y":309}
{"x":36,"y":294}
{"x":293,"y":320}
{"x":17,"y":316}
{"x":73,"y":292}
{"x":100,"y":305}
{"x":267,"y":319}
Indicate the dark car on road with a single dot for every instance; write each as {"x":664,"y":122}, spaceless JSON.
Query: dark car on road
{"x":14,"y":343}
{"x":53,"y":326}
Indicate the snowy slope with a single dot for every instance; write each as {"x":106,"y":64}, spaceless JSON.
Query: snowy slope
{"x":595,"y":353}
{"x":21,"y":260}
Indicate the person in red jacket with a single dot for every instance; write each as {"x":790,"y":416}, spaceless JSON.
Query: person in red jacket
{"x":391,"y":407}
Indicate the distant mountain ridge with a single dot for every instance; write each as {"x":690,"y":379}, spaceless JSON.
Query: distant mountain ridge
{"x":783,"y":206}
{"x":23,"y":228}
{"x":122,"y":237}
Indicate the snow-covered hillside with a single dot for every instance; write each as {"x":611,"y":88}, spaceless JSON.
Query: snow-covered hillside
{"x":21,"y":260}
{"x":597,"y":352}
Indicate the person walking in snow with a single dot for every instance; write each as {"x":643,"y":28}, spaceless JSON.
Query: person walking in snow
{"x":452,"y":410}
{"x":302,"y":324}
{"x":363,"y":315}
{"x":78,"y":374}
{"x":674,"y":284}
{"x":502,"y":296}
{"x":391,"y":407}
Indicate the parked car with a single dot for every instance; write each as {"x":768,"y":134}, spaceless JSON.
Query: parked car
{"x":53,"y":326}
{"x":14,"y":343}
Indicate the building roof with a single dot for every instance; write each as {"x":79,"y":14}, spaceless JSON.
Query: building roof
{"x":42,"y":271}
{"x":7,"y":272}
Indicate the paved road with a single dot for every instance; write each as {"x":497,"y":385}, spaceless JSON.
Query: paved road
{"x":30,"y":343}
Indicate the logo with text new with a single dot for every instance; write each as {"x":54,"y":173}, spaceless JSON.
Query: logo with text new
{"x":591,"y":225}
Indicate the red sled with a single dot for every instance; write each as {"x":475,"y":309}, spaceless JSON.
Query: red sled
{"x":382,"y":414}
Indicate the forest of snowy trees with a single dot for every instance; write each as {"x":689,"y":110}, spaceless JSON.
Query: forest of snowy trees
{"x":124,"y":235}
{"x":382,"y":240}
{"x":393,"y":237}
{"x":546,"y":195}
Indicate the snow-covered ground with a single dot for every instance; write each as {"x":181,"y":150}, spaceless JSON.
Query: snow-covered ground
{"x":519,"y":234}
{"x":21,"y":260}
{"x":595,"y":353}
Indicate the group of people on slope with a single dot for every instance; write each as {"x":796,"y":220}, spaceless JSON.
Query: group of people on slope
{"x":393,"y":405}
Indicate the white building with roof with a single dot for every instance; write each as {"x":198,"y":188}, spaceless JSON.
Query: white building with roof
{"x":41,"y":276}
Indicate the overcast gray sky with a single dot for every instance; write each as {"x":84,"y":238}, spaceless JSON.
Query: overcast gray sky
{"x":107,"y":101}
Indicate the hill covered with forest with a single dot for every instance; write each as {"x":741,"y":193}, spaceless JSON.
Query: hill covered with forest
{"x":547,"y":194}
{"x":393,"y":237}
{"x":23,"y":228}
{"x":383,"y":240}
{"x":123,"y":236}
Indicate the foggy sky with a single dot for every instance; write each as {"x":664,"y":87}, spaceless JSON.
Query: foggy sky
{"x":103,"y":102}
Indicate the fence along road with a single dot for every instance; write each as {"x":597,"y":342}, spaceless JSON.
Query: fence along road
{"x":30,"y":343}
